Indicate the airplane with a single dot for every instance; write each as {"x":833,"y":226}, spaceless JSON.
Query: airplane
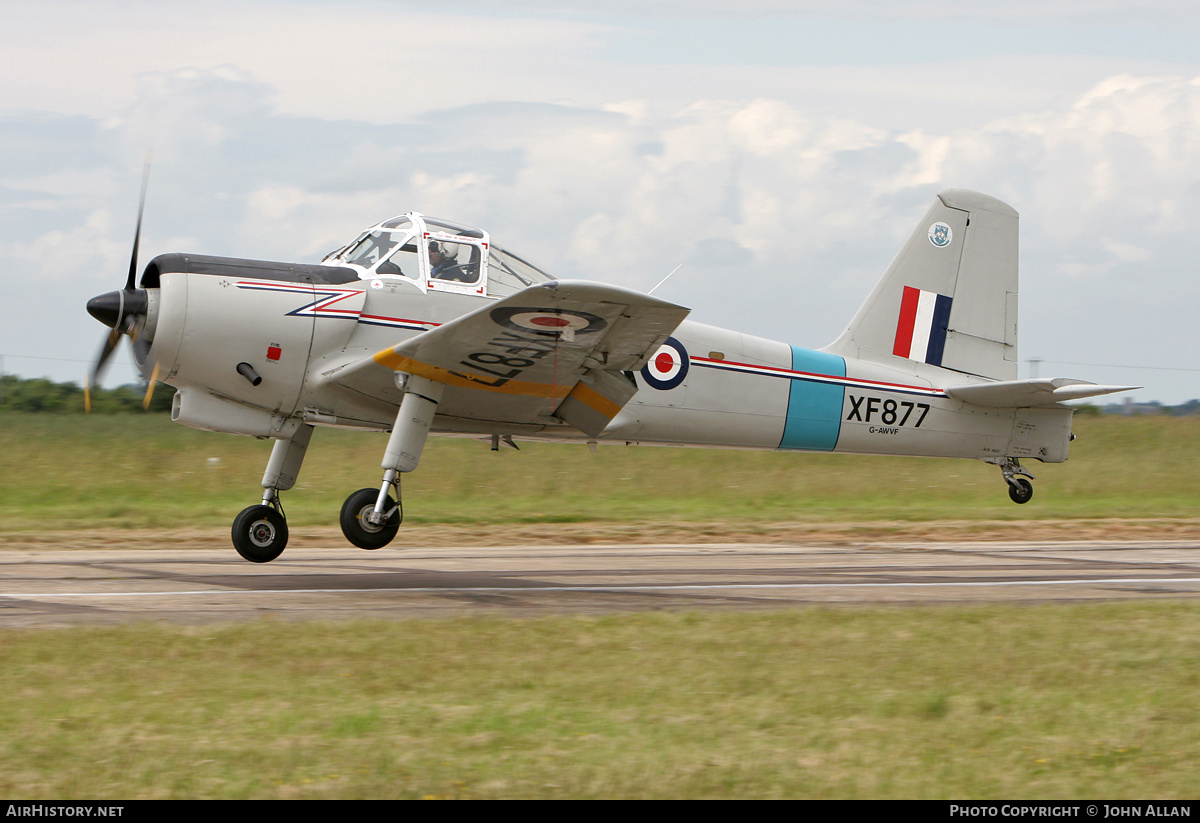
{"x":425,"y":326}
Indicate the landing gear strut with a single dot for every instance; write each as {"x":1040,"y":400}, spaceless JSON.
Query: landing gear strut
{"x":1020,"y":490}
{"x":370,"y":517}
{"x":260,"y":533}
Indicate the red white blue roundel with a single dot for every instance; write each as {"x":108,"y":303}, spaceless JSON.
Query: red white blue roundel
{"x":548,"y":321}
{"x":668,"y":367}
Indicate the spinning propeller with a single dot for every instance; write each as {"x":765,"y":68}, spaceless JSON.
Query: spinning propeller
{"x":124,"y":312}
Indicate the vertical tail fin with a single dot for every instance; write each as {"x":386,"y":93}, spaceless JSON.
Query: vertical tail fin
{"x":949,"y":299}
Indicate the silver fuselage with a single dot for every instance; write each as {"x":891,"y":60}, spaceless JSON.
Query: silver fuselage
{"x":720,"y":388}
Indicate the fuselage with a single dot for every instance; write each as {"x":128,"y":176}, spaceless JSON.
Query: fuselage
{"x":297,"y":326}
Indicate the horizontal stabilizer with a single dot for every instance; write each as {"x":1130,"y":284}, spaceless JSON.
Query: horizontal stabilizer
{"x":1043,"y":391}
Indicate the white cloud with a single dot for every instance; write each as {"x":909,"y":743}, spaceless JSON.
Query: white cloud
{"x":60,"y":255}
{"x":782,"y":214}
{"x":368,"y":61}
{"x":1094,"y":11}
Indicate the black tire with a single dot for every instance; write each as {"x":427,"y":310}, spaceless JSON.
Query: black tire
{"x":260,"y":534}
{"x":357,"y":530}
{"x":1022,"y":492}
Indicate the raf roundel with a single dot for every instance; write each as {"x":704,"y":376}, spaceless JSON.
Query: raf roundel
{"x":668,"y":367}
{"x":564,"y":322}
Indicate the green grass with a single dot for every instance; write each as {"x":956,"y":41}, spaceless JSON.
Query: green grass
{"x":144,"y":471}
{"x":1051,"y":701}
{"x":1046,"y":701}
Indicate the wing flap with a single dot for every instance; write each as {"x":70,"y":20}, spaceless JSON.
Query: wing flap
{"x":595,"y":400}
{"x":1046,"y":391}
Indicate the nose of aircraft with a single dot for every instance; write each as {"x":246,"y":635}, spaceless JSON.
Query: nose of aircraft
{"x":111,"y":308}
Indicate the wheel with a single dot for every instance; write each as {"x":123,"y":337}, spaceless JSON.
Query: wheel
{"x":260,"y":534}
{"x":355,"y":526}
{"x":1022,"y":492}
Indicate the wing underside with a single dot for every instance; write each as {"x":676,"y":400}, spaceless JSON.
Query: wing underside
{"x":554,"y":353}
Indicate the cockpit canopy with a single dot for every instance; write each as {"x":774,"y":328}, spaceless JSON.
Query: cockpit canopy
{"x":436,"y":255}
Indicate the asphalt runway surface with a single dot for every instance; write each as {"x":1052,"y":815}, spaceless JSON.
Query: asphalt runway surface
{"x":43,"y":588}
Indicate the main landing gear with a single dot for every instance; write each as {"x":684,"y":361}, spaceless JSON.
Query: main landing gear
{"x":370,"y":518}
{"x":361,"y":525}
{"x":260,"y":533}
{"x":1020,"y":490}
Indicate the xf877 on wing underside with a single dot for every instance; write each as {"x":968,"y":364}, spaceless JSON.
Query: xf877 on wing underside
{"x":424,"y":326}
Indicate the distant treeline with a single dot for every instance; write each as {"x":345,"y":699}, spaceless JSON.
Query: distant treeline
{"x":1153,"y":407}
{"x":42,"y":395}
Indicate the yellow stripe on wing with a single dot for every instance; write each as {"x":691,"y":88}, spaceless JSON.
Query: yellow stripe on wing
{"x":595,"y":400}
{"x":398,"y":362}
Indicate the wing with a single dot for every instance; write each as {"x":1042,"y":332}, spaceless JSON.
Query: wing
{"x":1045,"y":391}
{"x":551,"y":353}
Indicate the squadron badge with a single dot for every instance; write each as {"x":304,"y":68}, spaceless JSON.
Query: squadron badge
{"x":940,"y":235}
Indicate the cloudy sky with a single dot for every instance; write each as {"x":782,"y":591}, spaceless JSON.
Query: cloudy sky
{"x":781,"y":151}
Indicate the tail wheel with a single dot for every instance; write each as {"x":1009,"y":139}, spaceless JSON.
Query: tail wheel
{"x":359,"y":530}
{"x":1020,"y":490}
{"x":260,"y":534}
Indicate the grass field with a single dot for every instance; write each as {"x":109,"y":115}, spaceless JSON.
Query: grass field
{"x":142,"y":471}
{"x":1052,"y":701}
{"x":1039,"y":701}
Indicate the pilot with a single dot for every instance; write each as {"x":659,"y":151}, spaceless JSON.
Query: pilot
{"x":444,"y":262}
{"x":442,"y":259}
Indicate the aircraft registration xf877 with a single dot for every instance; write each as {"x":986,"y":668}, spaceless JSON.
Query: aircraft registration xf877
{"x":423,"y":326}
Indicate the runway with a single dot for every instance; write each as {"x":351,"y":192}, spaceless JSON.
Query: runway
{"x":44,"y":588}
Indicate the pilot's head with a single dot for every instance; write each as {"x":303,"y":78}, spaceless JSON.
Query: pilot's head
{"x":441,"y":252}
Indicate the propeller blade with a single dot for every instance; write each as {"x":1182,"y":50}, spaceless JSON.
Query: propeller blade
{"x":137,"y":232}
{"x":110,"y":345}
{"x":150,"y":388}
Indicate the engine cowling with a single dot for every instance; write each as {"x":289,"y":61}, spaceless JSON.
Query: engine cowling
{"x":234,"y":337}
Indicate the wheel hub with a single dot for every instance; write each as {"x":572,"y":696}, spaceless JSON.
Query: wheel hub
{"x":366,"y":519}
{"x":262,"y":533}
